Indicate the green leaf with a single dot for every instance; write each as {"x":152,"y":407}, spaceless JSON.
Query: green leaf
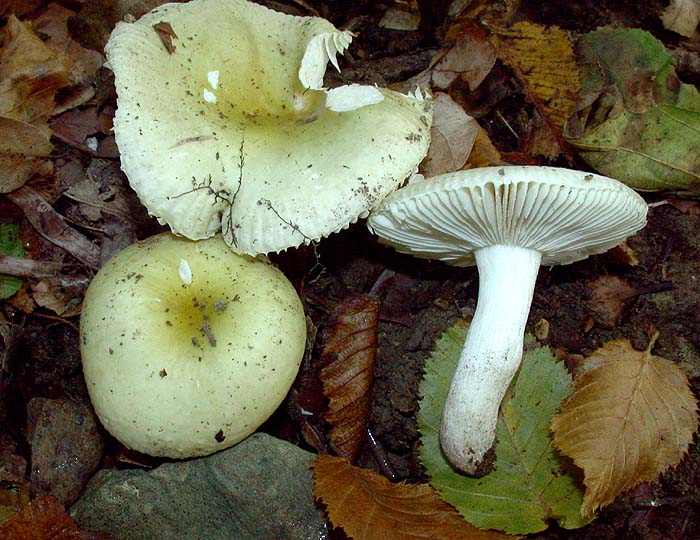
{"x":637,"y":122}
{"x":10,"y":244}
{"x":530,"y":483}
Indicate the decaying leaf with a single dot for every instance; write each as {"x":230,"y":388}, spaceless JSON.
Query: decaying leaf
{"x":30,"y":75}
{"x":166,"y":34}
{"x":630,"y":417}
{"x":530,"y":484}
{"x":348,"y":356}
{"x":403,"y":15}
{"x":543,"y":59}
{"x":682,"y":16}
{"x":467,"y":57}
{"x":13,"y":499}
{"x":452,"y":136}
{"x":52,"y":226}
{"x":608,"y":297}
{"x":45,"y":519}
{"x":636,"y":121}
{"x":369,"y":507}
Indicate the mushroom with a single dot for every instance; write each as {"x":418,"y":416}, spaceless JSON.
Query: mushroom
{"x":187,"y":347}
{"x":223,"y":124}
{"x":508,"y":221}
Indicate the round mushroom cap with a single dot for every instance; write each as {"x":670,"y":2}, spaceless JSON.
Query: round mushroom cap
{"x":187,"y":347}
{"x":565,"y":215}
{"x":223,"y":125}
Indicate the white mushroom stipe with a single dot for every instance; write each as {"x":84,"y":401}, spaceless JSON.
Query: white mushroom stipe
{"x":493,"y":349}
{"x":507,"y":221}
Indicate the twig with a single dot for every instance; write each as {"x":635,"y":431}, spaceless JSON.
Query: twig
{"x":21,"y":267}
{"x":380,"y":456}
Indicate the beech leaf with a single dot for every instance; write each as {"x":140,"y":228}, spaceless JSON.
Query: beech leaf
{"x":543,"y":59}
{"x":530,"y":484}
{"x":369,"y":507}
{"x":348,"y":355}
{"x":631,"y":416}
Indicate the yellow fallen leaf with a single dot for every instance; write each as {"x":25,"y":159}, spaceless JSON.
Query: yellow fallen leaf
{"x":543,"y":59}
{"x":631,"y":416}
{"x":369,"y":507}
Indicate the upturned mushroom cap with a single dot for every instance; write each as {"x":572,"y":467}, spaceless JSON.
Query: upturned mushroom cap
{"x":563,"y":214}
{"x":507,"y":221}
{"x":188,"y":347}
{"x":230,"y":128}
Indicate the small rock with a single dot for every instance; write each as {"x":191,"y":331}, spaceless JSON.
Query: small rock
{"x":66,"y":447}
{"x":260,"y":488}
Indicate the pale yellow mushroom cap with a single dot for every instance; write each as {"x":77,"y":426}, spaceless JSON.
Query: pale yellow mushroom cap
{"x":232,"y":130}
{"x":188,"y":347}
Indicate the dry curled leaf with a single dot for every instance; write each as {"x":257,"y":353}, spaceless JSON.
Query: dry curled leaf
{"x":631,"y":416}
{"x":348,"y":356}
{"x":45,"y":519}
{"x":369,"y":507}
{"x":543,"y":59}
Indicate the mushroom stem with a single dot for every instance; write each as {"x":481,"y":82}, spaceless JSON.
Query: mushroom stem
{"x":490,"y":357}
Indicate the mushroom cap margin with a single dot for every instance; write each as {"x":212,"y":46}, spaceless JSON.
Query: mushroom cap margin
{"x":564,"y":214}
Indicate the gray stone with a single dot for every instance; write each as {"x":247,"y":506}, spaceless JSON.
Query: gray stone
{"x":66,"y":447}
{"x":260,"y":488}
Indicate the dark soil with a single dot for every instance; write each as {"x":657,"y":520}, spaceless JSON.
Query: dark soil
{"x":422,"y":298}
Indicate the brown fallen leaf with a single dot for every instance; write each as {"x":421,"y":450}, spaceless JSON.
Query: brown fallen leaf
{"x":75,"y":126}
{"x":13,"y":497}
{"x":631,"y":416}
{"x":543,"y":59}
{"x":369,"y":507}
{"x":30,"y":75}
{"x":452,"y":137}
{"x":45,"y":519}
{"x":348,"y":356}
{"x":608,"y":298}
{"x":682,"y":17}
{"x":166,"y":34}
{"x":52,"y":226}
{"x":82,"y":63}
{"x":402,"y":15}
